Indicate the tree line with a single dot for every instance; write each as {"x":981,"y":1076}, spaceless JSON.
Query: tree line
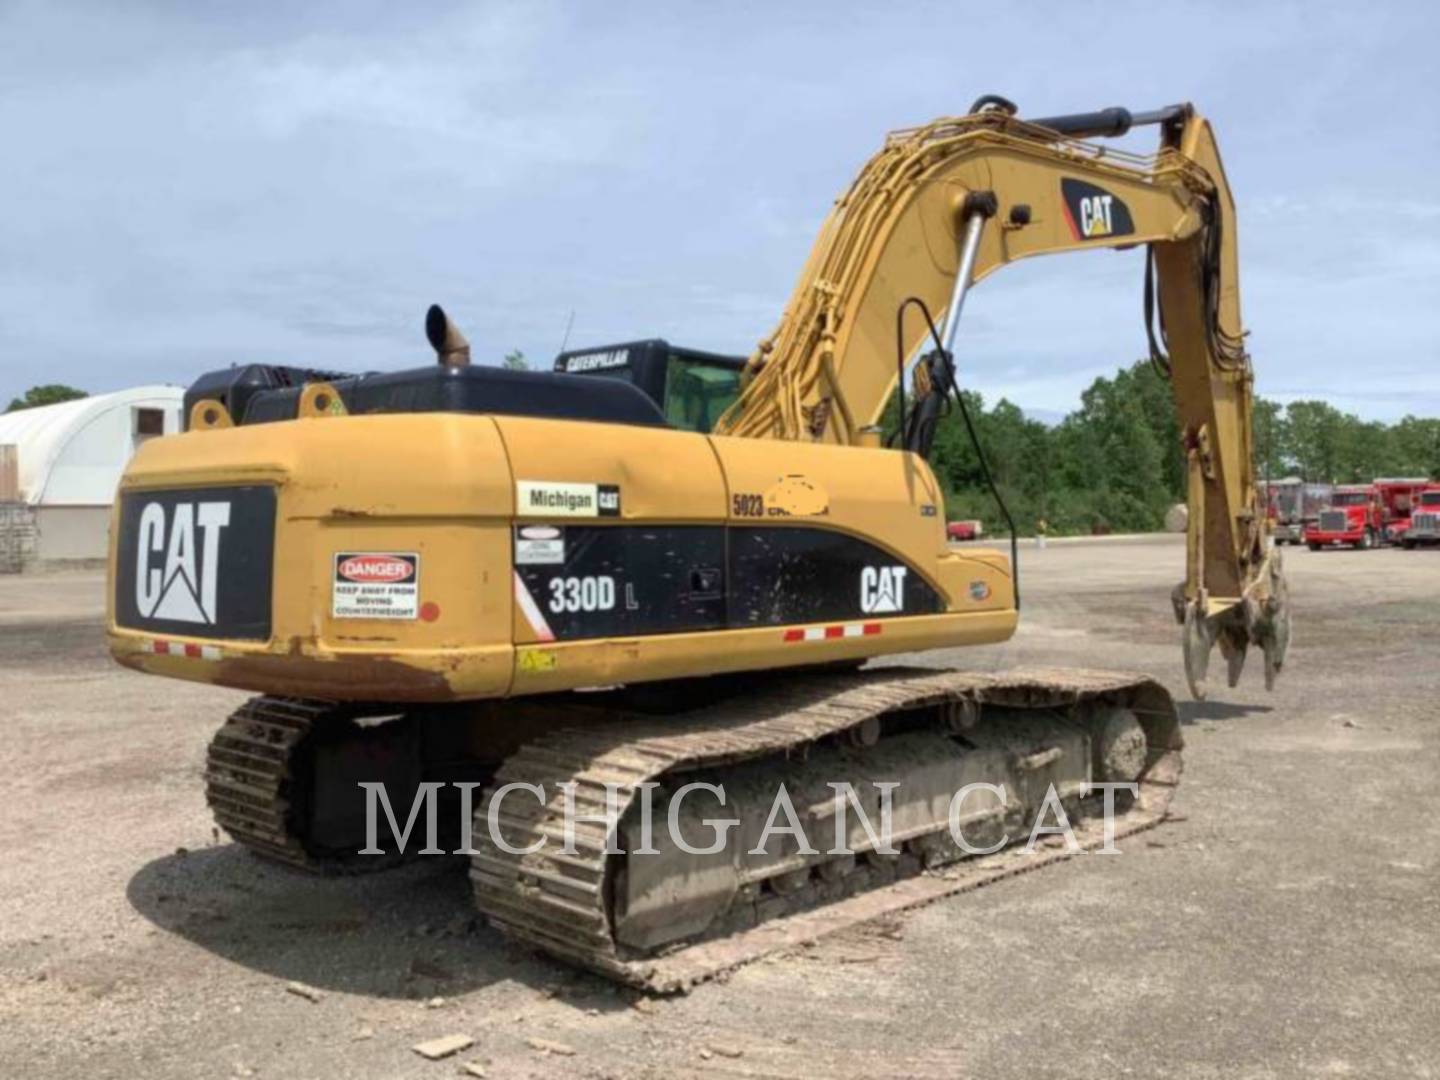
{"x":50,"y":394}
{"x":1116,"y":463}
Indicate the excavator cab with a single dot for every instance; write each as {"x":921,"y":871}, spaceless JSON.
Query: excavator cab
{"x":691,"y":387}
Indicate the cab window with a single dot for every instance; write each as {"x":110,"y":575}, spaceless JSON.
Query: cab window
{"x":696,"y":392}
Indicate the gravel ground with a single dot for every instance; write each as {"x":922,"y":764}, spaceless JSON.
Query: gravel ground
{"x":1286,"y":924}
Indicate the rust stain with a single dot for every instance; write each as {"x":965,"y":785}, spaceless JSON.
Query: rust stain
{"x":299,"y":672}
{"x":351,"y":678}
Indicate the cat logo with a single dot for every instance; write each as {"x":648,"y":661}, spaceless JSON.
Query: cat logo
{"x":176,"y":577}
{"x":1094,"y":213}
{"x":882,"y":589}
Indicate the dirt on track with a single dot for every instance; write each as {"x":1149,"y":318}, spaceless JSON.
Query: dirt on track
{"x":1287,"y":924}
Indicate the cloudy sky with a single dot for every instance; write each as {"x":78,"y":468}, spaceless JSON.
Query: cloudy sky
{"x":188,"y":185}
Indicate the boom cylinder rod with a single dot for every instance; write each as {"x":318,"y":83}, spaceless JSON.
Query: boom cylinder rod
{"x":969,"y":249}
{"x":977,"y":211}
{"x":979,"y":207}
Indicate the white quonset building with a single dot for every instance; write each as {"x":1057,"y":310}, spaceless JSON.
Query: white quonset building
{"x":59,"y":466}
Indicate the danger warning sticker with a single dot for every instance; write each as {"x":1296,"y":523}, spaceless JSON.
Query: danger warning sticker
{"x":375,"y":585}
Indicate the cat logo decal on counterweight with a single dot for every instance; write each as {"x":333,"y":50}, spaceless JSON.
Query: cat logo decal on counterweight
{"x":178,"y":563}
{"x":1093,"y":213}
{"x":196,"y":561}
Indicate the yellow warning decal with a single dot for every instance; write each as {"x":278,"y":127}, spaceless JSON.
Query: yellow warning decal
{"x":537,"y":660}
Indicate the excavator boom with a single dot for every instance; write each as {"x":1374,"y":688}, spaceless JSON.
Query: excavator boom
{"x":943,"y":206}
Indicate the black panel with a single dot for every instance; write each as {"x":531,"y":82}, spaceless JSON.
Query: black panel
{"x":475,"y":389}
{"x":624,"y":579}
{"x":782,"y":576}
{"x":234,"y":387}
{"x":606,"y":581}
{"x":206,"y":565}
{"x":631,"y":391}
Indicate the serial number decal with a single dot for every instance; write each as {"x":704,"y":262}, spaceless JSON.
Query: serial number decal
{"x":747,"y":506}
{"x":791,"y":496}
{"x":570,"y":594}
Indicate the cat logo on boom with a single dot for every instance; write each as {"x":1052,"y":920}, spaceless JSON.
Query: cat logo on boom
{"x":1094,"y":213}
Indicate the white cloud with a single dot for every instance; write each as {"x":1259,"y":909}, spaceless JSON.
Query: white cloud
{"x":186,"y":186}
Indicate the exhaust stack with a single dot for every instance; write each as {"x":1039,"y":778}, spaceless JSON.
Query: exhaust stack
{"x":451,"y":348}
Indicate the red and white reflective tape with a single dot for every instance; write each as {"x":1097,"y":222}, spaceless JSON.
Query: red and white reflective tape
{"x":531,"y":610}
{"x":823,"y":633}
{"x":184,"y":648}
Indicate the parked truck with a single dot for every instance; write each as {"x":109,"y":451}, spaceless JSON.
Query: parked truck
{"x":1425,"y":520}
{"x":1293,"y":506}
{"x":1353,"y":518}
{"x":1366,"y":515}
{"x":1398,"y":496}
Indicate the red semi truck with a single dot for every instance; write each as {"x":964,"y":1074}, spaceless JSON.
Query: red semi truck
{"x":1424,"y":520}
{"x":1365,"y":515}
{"x":1354,"y":518}
{"x":1398,"y":496}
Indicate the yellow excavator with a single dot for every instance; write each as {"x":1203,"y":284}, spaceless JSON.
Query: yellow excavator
{"x":532,"y":597}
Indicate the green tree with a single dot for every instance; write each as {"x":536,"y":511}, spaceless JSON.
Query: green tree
{"x":1152,"y":392}
{"x":50,"y":394}
{"x":1415,"y":442}
{"x":1117,"y":463}
{"x":1322,"y":443}
{"x":1366,"y":450}
{"x":515,"y":361}
{"x":1313,"y":440}
{"x":1133,"y":496}
{"x":1270,"y":440}
{"x":1118,"y":445}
